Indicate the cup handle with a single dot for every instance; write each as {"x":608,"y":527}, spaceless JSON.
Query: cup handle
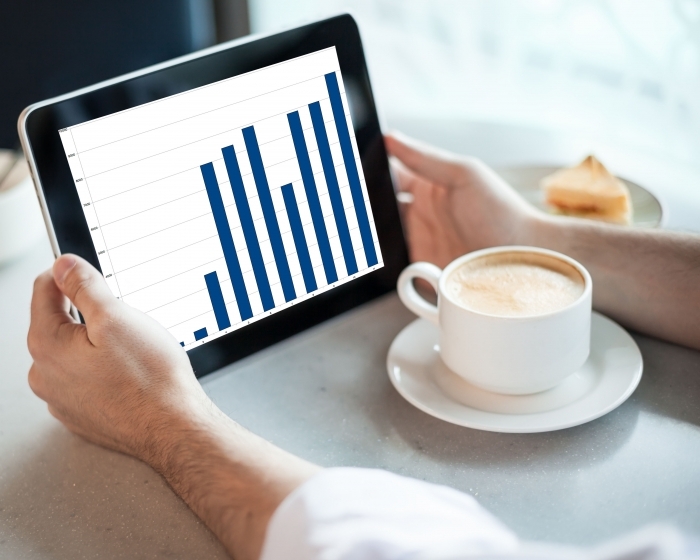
{"x":410,"y":297}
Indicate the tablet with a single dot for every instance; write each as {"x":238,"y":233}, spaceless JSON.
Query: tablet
{"x":238,"y":195}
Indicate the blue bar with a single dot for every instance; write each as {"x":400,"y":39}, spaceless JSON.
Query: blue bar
{"x":273,"y":228}
{"x":226,"y":239}
{"x":182,"y":344}
{"x":341,"y":221}
{"x":358,"y":199}
{"x":251,"y":237}
{"x":307,"y":176}
{"x":307,"y":270}
{"x":217,"y":300}
{"x":200,"y":334}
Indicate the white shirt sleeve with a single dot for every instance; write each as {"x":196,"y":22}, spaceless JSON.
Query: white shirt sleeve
{"x":367,"y":514}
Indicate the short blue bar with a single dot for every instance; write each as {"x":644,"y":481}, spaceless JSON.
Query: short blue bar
{"x":307,"y":269}
{"x":200,"y":334}
{"x":217,"y":300}
{"x":251,"y":237}
{"x":341,"y":124}
{"x":307,"y":176}
{"x":273,"y":228}
{"x":341,"y":220}
{"x":226,"y":240}
{"x":182,"y":344}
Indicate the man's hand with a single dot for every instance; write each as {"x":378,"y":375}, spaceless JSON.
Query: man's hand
{"x":648,"y":280}
{"x":459,"y":203}
{"x":122,"y":381}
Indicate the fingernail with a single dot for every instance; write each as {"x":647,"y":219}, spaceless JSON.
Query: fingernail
{"x":62,"y":267}
{"x":405,"y":197}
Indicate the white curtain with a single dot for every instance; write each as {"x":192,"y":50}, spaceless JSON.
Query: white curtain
{"x":626,"y":69}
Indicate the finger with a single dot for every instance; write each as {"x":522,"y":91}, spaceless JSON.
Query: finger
{"x":404,"y":192}
{"x":49,"y":310}
{"x":83,"y":285}
{"x":405,"y":179}
{"x":428,"y":162}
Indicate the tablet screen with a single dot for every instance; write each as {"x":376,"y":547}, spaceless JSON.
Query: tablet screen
{"x":224,"y":204}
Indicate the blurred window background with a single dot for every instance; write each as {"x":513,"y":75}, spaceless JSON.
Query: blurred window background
{"x":625,"y":70}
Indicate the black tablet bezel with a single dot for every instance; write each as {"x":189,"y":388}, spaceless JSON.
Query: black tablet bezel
{"x":40,"y":123}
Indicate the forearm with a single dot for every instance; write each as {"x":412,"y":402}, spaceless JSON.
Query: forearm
{"x":120,"y":380}
{"x":648,"y":280}
{"x":232,"y":479}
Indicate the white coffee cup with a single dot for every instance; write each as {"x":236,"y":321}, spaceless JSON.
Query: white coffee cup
{"x":511,"y":355}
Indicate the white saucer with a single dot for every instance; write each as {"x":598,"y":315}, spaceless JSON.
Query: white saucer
{"x":609,"y":376}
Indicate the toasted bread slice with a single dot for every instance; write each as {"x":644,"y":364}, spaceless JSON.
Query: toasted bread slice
{"x":588,"y":190}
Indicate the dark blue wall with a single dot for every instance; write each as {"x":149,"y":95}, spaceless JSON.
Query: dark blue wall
{"x":49,"y":47}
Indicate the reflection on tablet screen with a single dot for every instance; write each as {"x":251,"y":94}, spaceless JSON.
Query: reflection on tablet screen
{"x":221,"y":205}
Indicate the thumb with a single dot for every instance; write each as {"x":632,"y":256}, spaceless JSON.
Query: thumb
{"x":83,"y":285}
{"x":430,"y":163}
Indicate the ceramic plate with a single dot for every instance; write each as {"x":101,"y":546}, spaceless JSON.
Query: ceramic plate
{"x":646,"y":208}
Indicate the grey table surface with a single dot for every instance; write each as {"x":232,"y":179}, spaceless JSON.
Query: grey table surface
{"x":325,"y":396}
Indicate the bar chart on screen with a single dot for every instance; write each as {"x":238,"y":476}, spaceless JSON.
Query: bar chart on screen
{"x":221,"y":205}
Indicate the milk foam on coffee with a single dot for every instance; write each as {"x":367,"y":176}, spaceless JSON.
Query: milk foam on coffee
{"x":515,"y":284}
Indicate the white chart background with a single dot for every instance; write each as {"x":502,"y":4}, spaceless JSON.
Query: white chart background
{"x":138,"y":177}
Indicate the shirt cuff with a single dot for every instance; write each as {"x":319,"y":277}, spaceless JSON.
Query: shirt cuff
{"x":352,"y":513}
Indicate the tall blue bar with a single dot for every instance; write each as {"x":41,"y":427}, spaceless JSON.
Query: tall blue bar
{"x":341,"y":220}
{"x":217,"y":300}
{"x":251,"y":237}
{"x":307,"y":269}
{"x":273,"y":228}
{"x":226,"y":240}
{"x":358,"y":199}
{"x":201,"y":333}
{"x":307,"y":176}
